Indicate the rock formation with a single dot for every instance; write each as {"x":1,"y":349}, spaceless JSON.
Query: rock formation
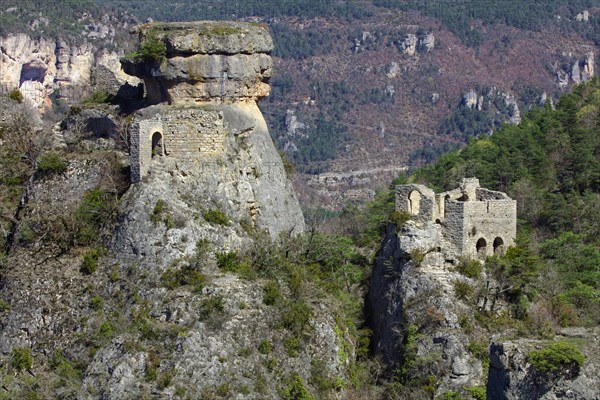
{"x":208,"y":137}
{"x":40,"y":67}
{"x":214,"y":157}
{"x":511,"y":375}
{"x":416,"y":266}
{"x":205,"y":61}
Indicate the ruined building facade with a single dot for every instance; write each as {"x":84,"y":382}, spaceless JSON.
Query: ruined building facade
{"x":475,"y":222}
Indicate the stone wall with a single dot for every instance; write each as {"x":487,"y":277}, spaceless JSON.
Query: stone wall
{"x":476,"y":222}
{"x":417,"y":200}
{"x":186,"y":134}
{"x":488,"y":220}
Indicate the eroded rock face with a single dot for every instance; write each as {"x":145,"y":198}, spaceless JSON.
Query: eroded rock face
{"x":40,"y":67}
{"x":407,"y":293}
{"x":204,"y":61}
{"x":210,"y":140}
{"x":512,"y":377}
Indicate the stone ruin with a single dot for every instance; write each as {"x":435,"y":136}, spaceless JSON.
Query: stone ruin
{"x":206,"y":64}
{"x":475,"y":222}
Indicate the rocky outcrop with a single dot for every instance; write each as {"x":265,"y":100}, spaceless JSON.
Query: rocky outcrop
{"x":204,"y":61}
{"x":512,"y":377}
{"x":412,"y":301}
{"x":408,"y":45}
{"x":41,"y":67}
{"x":213,"y":146}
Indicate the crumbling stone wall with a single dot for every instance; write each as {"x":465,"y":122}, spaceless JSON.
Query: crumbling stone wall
{"x":476,"y":222}
{"x":417,"y":200}
{"x":187,"y":134}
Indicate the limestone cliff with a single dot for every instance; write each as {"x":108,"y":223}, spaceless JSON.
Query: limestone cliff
{"x":40,"y":67}
{"x":204,"y":61}
{"x":512,"y":375}
{"x":415,"y":313}
{"x":91,"y":256}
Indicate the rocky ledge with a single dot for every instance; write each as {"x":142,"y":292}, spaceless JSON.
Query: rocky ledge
{"x":202,"y":61}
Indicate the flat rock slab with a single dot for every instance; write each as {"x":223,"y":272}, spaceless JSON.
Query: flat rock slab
{"x":209,"y":37}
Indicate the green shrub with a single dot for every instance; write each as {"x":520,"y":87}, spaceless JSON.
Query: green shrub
{"x":16,"y":95}
{"x":96,"y":303}
{"x":465,"y":324}
{"x":462,"y":290}
{"x":63,"y":367}
{"x":211,"y":307}
{"x":51,"y":163}
{"x":470,"y":268}
{"x":164,"y":380}
{"x":480,"y":349}
{"x":4,"y":306}
{"x":296,"y":390}
{"x":21,"y":358}
{"x":152,"y":48}
{"x":187,"y":275}
{"x":90,"y":260}
{"x":223,"y":390}
{"x":477,"y":392}
{"x":296,"y":317}
{"x":106,"y":330}
{"x":159,"y":208}
{"x":96,"y":207}
{"x":215,"y":216}
{"x":265,"y":347}
{"x":417,"y":256}
{"x":292,"y":346}
{"x":399,"y":218}
{"x":559,"y":356}
{"x":98,"y":97}
{"x":272,"y":293}
{"x":228,"y":262}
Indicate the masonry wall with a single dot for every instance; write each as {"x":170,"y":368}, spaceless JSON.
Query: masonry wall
{"x":453,"y":225}
{"x":488,"y":220}
{"x":140,"y":147}
{"x":427,"y":205}
{"x":188,"y":135}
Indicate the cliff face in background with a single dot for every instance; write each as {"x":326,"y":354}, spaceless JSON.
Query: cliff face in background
{"x":374,"y":95}
{"x":43,"y":67}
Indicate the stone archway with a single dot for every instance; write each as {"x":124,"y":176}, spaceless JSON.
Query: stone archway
{"x":481,"y":248}
{"x":157,"y":144}
{"x":414,"y":202}
{"x":498,"y":246}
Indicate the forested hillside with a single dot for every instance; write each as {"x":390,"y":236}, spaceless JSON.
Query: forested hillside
{"x":549,"y":163}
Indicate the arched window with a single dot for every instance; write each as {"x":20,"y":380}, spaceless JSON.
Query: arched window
{"x":481,"y":247}
{"x":498,"y":246}
{"x":157,"y":144}
{"x":414,"y":202}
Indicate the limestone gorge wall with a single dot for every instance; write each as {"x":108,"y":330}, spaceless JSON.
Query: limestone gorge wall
{"x":211,"y":156}
{"x":41,"y":67}
{"x":416,"y":317}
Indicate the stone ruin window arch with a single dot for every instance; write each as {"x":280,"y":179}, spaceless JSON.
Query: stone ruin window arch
{"x":157,"y":144}
{"x":481,"y":248}
{"x":414,"y":202}
{"x":498,"y":246}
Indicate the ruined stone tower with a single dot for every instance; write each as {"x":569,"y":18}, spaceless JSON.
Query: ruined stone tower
{"x":476,"y":222}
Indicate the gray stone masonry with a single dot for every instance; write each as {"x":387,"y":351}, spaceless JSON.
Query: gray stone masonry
{"x":476,"y":222}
